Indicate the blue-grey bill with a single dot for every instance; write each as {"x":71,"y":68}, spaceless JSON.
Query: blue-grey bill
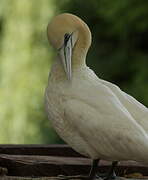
{"x":65,"y":53}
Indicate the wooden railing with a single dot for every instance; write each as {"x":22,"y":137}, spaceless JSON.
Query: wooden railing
{"x":22,"y":161}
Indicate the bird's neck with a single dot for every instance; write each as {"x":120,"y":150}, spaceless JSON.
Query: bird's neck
{"x":57,"y":72}
{"x":79,"y":53}
{"x":81,"y":47}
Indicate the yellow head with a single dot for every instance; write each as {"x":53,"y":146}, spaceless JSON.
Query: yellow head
{"x":71,"y":37}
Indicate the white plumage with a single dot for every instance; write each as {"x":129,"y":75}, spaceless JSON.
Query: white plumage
{"x":135,"y":108}
{"x":93,"y":116}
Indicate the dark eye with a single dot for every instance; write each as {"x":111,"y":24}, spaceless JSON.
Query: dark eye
{"x":66,"y":38}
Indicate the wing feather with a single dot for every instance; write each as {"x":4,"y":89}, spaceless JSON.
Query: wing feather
{"x":135,"y":108}
{"x":107,"y":126}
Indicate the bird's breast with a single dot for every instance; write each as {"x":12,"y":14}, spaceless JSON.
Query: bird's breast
{"x":55,"y":96}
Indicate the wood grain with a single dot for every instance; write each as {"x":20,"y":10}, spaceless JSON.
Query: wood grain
{"x":24,"y":165}
{"x":39,"y":149}
{"x":52,"y":160}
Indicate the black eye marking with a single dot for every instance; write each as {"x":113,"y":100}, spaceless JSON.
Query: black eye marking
{"x":66,"y":38}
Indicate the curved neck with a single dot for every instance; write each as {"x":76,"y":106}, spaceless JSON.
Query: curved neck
{"x":81,"y":47}
{"x":79,"y":53}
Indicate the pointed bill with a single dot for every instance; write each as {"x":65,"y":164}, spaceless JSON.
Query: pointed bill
{"x":65,"y":53}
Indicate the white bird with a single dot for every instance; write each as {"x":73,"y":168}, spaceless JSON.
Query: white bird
{"x":93,"y":116}
{"x":138,"y":111}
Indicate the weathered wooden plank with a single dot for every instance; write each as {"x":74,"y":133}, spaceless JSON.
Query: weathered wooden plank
{"x":78,"y":177}
{"x":23,"y":165}
{"x":56,"y":178}
{"x":33,"y":149}
{"x":24,"y":178}
{"x":52,"y":160}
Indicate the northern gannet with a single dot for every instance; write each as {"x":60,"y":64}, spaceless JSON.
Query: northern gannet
{"x":138,"y":111}
{"x":84,"y":110}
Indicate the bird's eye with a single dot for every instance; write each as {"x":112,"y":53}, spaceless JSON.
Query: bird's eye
{"x":66,"y":38}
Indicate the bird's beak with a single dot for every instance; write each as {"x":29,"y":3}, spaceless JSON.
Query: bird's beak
{"x":65,"y":53}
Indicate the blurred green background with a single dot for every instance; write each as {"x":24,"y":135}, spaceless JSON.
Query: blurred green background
{"x":119,"y":54}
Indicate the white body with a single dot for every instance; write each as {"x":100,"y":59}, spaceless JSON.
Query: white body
{"x":96,"y":118}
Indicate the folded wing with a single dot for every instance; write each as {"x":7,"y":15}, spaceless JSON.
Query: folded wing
{"x":138,"y":111}
{"x":105,"y":124}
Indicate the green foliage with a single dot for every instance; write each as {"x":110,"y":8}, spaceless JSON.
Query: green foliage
{"x":24,"y":66}
{"x":120,"y":34}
